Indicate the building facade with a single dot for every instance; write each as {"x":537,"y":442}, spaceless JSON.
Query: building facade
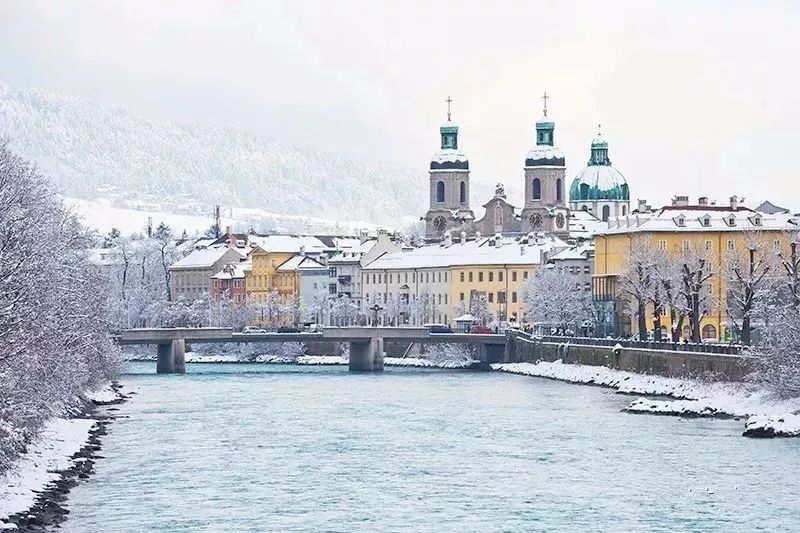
{"x":190,"y":277}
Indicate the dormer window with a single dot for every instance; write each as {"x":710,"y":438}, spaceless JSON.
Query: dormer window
{"x":731,"y":220}
{"x":705,"y":221}
{"x":680,"y":221}
{"x":756,"y":220}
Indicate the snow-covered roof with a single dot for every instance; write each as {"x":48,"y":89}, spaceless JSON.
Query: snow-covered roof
{"x":300,"y":262}
{"x":234,"y":270}
{"x":203,"y":258}
{"x":599,"y":182}
{"x":289,"y":244}
{"x":466,"y":318}
{"x":700,"y":218}
{"x":583,"y":224}
{"x":102,"y":256}
{"x":449,"y":160}
{"x":771,"y":209}
{"x":505,"y":251}
{"x":575,"y":253}
{"x":353,"y":255}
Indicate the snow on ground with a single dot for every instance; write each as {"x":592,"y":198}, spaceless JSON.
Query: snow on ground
{"x":51,"y":452}
{"x":102,"y":396}
{"x":772,"y":426}
{"x":426,"y":363}
{"x":691,"y":397}
{"x":192,"y":357}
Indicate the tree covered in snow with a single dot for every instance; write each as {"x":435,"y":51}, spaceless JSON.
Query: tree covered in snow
{"x":696,"y":271}
{"x":639,"y":283}
{"x":747,"y":283}
{"x":777,"y":356}
{"x":479,"y":308}
{"x":53,"y":338}
{"x":552,"y":300}
{"x":394,"y":310}
{"x":790,"y":267}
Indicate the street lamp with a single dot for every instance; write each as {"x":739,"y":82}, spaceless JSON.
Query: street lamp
{"x":375,"y":309}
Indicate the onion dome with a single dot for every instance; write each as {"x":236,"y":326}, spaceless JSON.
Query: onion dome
{"x":449,"y":158}
{"x":599,"y":180}
{"x":544,"y":153}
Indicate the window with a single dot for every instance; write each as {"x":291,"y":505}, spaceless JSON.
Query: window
{"x":732,"y":220}
{"x":332,"y":272}
{"x":756,"y":220}
{"x":440,"y":299}
{"x":662,"y":245}
{"x":587,"y":286}
{"x":606,"y":213}
{"x":686,"y":246}
{"x":513,"y":275}
{"x":500,"y":276}
{"x":709,"y":246}
{"x":706,"y":221}
{"x":624,"y":210}
{"x":480,"y":277}
{"x":332,"y":288}
{"x":587,"y":269}
{"x":731,"y":246}
{"x":462,"y":277}
{"x":776,"y":245}
{"x":536,"y":187}
{"x":680,"y":221}
{"x":405,"y":277}
{"x":440,"y":191}
{"x":462,"y":193}
{"x":491,"y":276}
{"x":461,"y":296}
{"x":470,"y":277}
{"x":525,"y":275}
{"x":501,"y":297}
{"x":513,"y":297}
{"x":558,"y":190}
{"x":445,"y":277}
{"x":491,"y":297}
{"x":427,"y":277}
{"x":445,"y":299}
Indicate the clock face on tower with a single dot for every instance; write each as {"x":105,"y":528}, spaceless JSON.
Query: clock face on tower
{"x":536,"y":220}
{"x":439,"y":223}
{"x":560,"y":221}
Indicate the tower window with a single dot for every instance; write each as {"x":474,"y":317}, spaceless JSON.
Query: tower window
{"x":624,"y":210}
{"x":440,"y":191}
{"x":536,"y":186}
{"x":606,"y":213}
{"x":463,"y":193}
{"x":558,"y":189}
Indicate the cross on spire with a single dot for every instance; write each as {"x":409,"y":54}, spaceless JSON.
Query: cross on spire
{"x":599,"y":130}
{"x":544,"y":99}
{"x":449,"y":101}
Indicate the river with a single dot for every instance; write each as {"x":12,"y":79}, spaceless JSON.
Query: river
{"x":235,"y":447}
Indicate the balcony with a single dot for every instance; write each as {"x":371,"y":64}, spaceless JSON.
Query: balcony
{"x":344,"y":280}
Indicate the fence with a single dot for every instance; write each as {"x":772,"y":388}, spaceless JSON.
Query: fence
{"x":727,"y":349}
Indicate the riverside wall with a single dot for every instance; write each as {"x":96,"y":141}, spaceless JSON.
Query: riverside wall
{"x":520,"y":348}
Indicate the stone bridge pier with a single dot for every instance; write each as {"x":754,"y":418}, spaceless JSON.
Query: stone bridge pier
{"x":171,"y":357}
{"x":366,"y":355}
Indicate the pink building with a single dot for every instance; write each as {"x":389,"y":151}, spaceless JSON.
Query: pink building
{"x":228,"y":283}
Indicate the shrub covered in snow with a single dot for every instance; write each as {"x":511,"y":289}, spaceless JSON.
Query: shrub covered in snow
{"x":53,"y":339}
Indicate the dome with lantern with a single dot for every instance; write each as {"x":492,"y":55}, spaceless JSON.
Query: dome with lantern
{"x":599,"y":180}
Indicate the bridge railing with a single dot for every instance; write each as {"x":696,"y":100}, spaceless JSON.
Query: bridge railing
{"x":710,"y":348}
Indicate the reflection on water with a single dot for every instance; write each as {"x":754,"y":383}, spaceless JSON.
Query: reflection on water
{"x":236,"y":447}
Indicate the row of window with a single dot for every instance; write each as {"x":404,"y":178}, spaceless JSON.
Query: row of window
{"x":462,"y":192}
{"x":536,"y":189}
{"x":709,"y":245}
{"x":402,"y":277}
{"x":383,"y":297}
{"x":237,"y":283}
{"x":575,"y":269}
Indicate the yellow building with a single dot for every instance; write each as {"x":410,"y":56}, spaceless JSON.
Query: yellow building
{"x":436,"y":283}
{"x":263,"y":276}
{"x":715,"y":232}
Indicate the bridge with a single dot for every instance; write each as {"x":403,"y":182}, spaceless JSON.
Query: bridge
{"x":366,"y":343}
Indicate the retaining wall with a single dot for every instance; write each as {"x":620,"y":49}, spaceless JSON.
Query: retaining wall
{"x":645,"y":361}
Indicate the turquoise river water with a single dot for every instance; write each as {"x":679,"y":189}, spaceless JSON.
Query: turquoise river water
{"x":234,"y":447}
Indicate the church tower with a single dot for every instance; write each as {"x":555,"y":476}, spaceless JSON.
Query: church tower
{"x":545,"y":207}
{"x":449,"y":184}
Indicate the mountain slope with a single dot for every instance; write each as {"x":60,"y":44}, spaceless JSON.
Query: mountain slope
{"x":83,"y":145}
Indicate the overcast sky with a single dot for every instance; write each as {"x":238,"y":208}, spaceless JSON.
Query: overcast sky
{"x":699,"y":98}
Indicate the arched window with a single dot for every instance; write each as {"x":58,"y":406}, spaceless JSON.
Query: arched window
{"x":606,"y":213}
{"x":463,"y":193}
{"x":440,"y":191}
{"x":558,"y":190}
{"x":537,"y":189}
{"x":584,"y":208}
{"x":498,"y":215}
{"x":709,"y":332}
{"x":624,"y":210}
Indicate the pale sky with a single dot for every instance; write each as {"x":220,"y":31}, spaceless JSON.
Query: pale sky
{"x":698,"y":98}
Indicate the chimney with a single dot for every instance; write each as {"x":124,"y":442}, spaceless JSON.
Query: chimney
{"x":303,"y":250}
{"x":477,"y":235}
{"x":734,"y":201}
{"x":448,"y":239}
{"x":463,"y":237}
{"x":642,"y":206}
{"x":680,"y":201}
{"x":703,"y":200}
{"x":521,"y":249}
{"x":492,"y":241}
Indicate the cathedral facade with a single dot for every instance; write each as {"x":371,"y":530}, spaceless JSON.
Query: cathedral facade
{"x":544,"y":209}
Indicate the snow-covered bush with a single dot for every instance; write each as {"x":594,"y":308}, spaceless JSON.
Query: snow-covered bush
{"x":440,"y":353}
{"x":777,"y":364}
{"x":53,"y":338}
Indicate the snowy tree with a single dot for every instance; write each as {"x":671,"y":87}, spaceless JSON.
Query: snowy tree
{"x":667,"y":296}
{"x":552,"y":300}
{"x":479,"y":308}
{"x":746,"y":280}
{"x":777,"y":357}
{"x":394,"y":310}
{"x":638,"y":283}
{"x":421,"y":307}
{"x":53,"y":338}
{"x":696,"y":271}
{"x":790,"y":263}
{"x":344,"y":311}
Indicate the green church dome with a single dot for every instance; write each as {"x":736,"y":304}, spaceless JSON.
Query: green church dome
{"x":599,"y":180}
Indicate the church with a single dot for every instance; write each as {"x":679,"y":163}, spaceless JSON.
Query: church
{"x":599,"y":189}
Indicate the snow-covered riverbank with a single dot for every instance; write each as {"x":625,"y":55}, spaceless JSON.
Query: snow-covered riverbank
{"x":29,"y":491}
{"x":416,"y":362}
{"x":689,"y":398}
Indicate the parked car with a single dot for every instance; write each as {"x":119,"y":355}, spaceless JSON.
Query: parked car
{"x":315,"y":328}
{"x":478,"y":328}
{"x":439,"y":328}
{"x":253,"y":329}
{"x":288,"y":329}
